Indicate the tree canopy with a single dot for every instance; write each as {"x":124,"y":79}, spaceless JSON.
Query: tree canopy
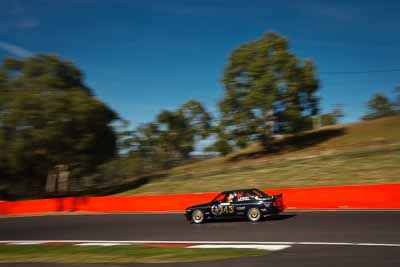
{"x":49,"y":117}
{"x":172,"y":137}
{"x":267,"y":89}
{"x":379,"y":106}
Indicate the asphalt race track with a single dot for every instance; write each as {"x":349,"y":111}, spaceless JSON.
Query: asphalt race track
{"x":324,"y":231}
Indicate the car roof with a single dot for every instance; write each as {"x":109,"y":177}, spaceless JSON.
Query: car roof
{"x":236,"y":190}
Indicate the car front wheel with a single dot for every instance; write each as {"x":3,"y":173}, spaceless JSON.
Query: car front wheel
{"x":197,"y":216}
{"x":254,"y":214}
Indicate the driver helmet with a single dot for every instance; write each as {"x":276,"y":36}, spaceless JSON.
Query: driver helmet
{"x":231,"y":197}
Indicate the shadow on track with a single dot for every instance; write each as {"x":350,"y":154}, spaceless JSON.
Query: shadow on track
{"x":280,"y":217}
{"x":277,"y":217}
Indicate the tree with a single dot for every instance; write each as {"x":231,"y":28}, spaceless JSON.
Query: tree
{"x":172,"y":137}
{"x":49,"y":118}
{"x":44,"y":72}
{"x":330,"y":118}
{"x":146,"y":144}
{"x":338,"y":112}
{"x":221,"y":144}
{"x":182,"y":128}
{"x":177,"y":135}
{"x":266,"y":89}
{"x":198,"y":117}
{"x":379,"y":106}
{"x":397,"y":101}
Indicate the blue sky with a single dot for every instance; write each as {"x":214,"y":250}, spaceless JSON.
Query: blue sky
{"x":144,"y":56}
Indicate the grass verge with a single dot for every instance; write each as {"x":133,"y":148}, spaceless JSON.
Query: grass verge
{"x":360,"y":153}
{"x":116,"y":254}
{"x":357,"y":166}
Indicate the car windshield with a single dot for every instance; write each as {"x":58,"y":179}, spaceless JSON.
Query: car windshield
{"x":220,"y":197}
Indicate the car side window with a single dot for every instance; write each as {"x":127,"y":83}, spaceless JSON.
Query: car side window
{"x":255,"y":195}
{"x":243,"y":196}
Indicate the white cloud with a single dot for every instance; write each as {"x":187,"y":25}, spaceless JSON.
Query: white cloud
{"x":15,"y":50}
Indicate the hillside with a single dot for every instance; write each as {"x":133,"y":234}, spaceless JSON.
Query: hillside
{"x":366,"y":152}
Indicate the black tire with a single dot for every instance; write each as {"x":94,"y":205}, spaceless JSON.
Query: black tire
{"x":197,"y":217}
{"x":254,"y":215}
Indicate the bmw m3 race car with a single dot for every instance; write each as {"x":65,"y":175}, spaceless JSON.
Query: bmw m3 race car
{"x":252,"y":204}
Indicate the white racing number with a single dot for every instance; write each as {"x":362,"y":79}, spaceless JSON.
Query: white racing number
{"x":222,"y":209}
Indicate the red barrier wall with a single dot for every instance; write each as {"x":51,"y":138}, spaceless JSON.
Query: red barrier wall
{"x":384,"y":196}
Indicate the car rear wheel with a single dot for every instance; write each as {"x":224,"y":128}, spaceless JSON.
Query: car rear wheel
{"x":254,"y":214}
{"x":197,"y":216}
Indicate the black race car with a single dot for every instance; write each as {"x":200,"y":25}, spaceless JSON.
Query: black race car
{"x":253,"y":204}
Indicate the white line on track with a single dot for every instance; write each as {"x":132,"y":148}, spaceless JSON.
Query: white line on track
{"x":26,"y":243}
{"x":263,"y":247}
{"x":102,"y":244}
{"x":205,"y":242}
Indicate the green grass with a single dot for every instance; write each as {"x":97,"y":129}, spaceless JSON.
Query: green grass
{"x":359,"y":153}
{"x":116,"y":254}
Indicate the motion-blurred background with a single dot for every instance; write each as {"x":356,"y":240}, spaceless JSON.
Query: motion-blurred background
{"x":151,"y":97}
